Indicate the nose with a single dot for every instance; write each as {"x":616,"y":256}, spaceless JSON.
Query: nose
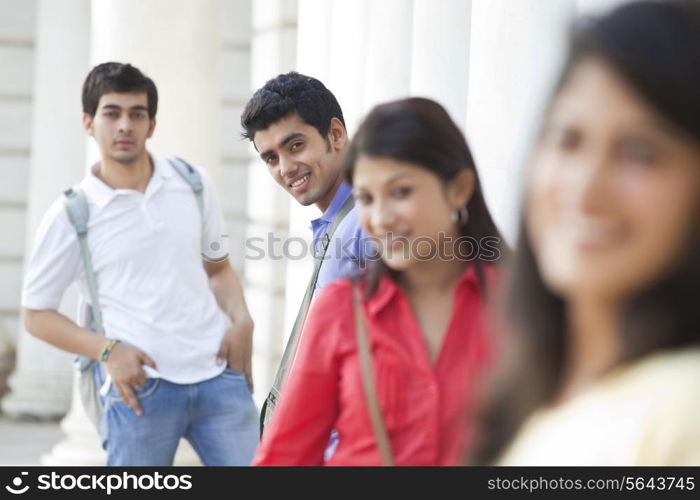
{"x":382,"y":216}
{"x":124,"y":123}
{"x":593,"y":185}
{"x":287,"y":167}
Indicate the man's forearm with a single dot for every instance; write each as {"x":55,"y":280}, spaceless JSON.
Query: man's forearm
{"x":61,"y":332}
{"x":229,"y":293}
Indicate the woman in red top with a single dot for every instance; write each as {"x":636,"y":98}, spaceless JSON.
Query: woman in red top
{"x":420,"y":201}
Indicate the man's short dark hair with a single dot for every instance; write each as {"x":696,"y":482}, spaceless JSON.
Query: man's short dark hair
{"x":285,"y":95}
{"x":117,"y":77}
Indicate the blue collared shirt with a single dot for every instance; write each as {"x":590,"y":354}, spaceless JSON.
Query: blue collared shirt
{"x":345,"y":253}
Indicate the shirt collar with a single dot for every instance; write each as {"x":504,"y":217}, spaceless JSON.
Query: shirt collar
{"x":342,"y":194}
{"x":388,"y":288}
{"x":101,"y":194}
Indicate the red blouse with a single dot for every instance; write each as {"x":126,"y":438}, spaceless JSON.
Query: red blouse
{"x":425,"y":407}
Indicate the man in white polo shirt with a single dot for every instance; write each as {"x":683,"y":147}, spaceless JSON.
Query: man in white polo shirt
{"x":178,"y":334}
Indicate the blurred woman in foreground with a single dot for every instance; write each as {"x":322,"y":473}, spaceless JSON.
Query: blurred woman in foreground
{"x":604,"y":305}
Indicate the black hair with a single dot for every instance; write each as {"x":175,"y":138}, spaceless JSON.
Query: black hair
{"x":117,"y":77}
{"x":285,"y":95}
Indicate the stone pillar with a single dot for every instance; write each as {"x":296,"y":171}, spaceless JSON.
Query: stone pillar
{"x":17,"y":34}
{"x":440,"y":53}
{"x":595,"y":7}
{"x":388,"y":59}
{"x":42,"y":382}
{"x":235,"y":22}
{"x":176,"y":43}
{"x":273,"y":51}
{"x":347,"y":70}
{"x":515,"y":50}
{"x":81,"y":446}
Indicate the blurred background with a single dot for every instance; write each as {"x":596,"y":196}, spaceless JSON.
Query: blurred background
{"x":489,"y":62}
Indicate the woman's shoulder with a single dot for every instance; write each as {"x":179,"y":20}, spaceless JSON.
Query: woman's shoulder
{"x":671,"y":432}
{"x":336,"y":290}
{"x":667,"y":372}
{"x":334,"y":303}
{"x":343,"y":288}
{"x":643,"y":413}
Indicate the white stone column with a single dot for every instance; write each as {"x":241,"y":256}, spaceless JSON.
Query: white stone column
{"x":235,"y":24}
{"x":41,"y":384}
{"x":388,"y":60}
{"x":17,"y":44}
{"x":348,"y":57}
{"x":333,"y":45}
{"x":440,"y":53}
{"x":597,"y":7}
{"x":273,"y":51}
{"x":314,"y":32}
{"x":177,"y":44}
{"x":81,"y":446}
{"x":515,"y":51}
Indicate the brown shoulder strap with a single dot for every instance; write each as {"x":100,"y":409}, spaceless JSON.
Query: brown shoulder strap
{"x":365,"y":356}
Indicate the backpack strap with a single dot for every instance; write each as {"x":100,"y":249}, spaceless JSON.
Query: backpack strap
{"x":291,"y":348}
{"x":192,"y":177}
{"x":292,"y":344}
{"x":78,"y":213}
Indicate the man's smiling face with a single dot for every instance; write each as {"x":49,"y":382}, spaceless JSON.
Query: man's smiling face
{"x":304,"y":163}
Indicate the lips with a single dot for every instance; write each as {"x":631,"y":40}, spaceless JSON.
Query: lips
{"x":301,"y":182}
{"x":393,"y":240}
{"x":591,"y":235}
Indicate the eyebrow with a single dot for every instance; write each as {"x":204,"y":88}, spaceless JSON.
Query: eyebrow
{"x":653,"y":126}
{"x":138,"y":107}
{"x":662,"y":126}
{"x":286,"y":140}
{"x":396,"y":177}
{"x":391,"y":180}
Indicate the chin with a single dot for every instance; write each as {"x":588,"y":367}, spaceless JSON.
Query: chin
{"x":397,"y":264}
{"x":125,"y":159}
{"x":592,"y":283}
{"x":304,"y":202}
{"x":305,"y":199}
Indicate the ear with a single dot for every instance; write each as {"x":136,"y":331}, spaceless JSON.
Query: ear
{"x":461,"y":188}
{"x":337,"y":135}
{"x":151,"y":127}
{"x":87,"y":123}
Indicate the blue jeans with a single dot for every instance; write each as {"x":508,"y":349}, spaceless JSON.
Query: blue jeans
{"x":217,"y":416}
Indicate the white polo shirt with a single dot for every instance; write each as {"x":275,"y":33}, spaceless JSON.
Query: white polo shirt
{"x":147,"y":250}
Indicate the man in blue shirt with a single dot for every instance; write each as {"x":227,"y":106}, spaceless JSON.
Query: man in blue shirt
{"x":297,"y":127}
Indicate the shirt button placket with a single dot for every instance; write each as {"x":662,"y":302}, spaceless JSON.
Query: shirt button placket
{"x":146,"y":214}
{"x":434,"y":427}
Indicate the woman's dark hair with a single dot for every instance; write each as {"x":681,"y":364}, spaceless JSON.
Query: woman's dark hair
{"x":117,"y":77}
{"x":420,"y":131}
{"x":655,"y":47}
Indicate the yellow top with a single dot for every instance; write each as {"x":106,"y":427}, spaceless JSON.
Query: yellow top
{"x":643,"y":413}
